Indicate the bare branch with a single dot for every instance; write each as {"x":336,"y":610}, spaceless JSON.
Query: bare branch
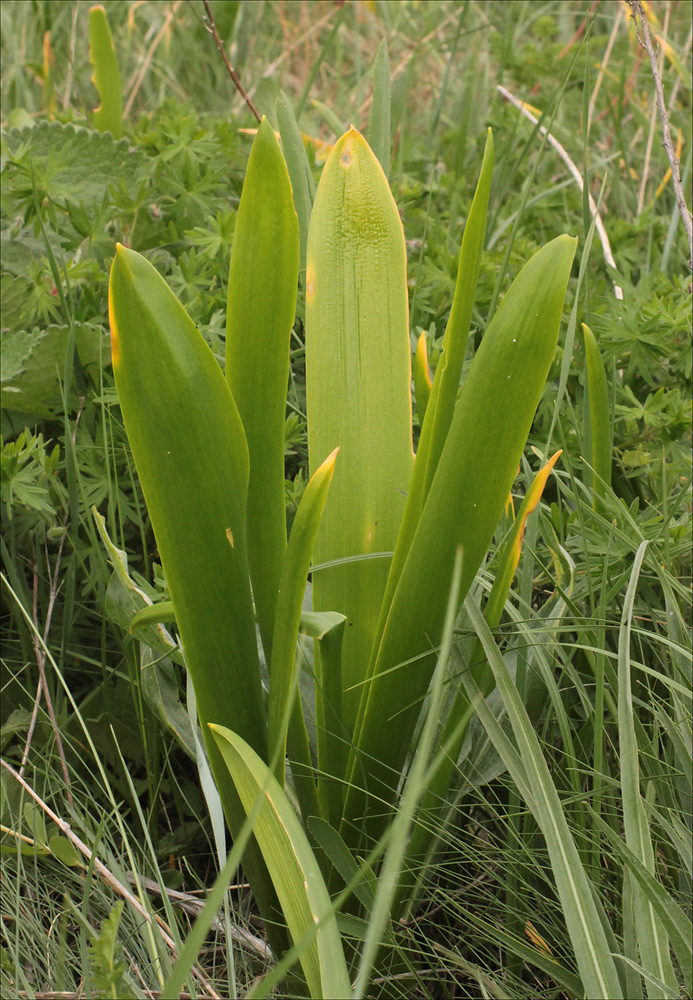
{"x":643,"y":35}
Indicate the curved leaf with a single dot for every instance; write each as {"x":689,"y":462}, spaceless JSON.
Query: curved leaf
{"x":294,"y":871}
{"x":467,"y":496}
{"x":263,"y":279}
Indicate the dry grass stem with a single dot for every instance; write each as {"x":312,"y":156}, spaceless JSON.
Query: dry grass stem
{"x":643,"y":34}
{"x":606,"y":246}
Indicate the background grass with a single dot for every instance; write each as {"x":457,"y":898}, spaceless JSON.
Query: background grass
{"x":490,"y":920}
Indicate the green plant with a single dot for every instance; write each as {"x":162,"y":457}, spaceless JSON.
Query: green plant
{"x":209,"y":454}
{"x":481,"y":860}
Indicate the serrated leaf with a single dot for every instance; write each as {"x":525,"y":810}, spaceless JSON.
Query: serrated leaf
{"x":33,"y":365}
{"x":82,"y":163}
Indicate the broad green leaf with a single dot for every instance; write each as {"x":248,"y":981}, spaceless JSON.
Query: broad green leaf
{"x":444,"y":392}
{"x":341,"y":858}
{"x":379,"y":125}
{"x":332,"y":737}
{"x":467,"y":496}
{"x":172,"y":394}
{"x":422,"y":377}
{"x":294,"y":871}
{"x":109,"y":116}
{"x":89,"y":162}
{"x":161,"y":691}
{"x":263,"y":279}
{"x":33,"y":365}
{"x":583,"y":913}
{"x":358,"y":374}
{"x":107,"y":969}
{"x":600,"y":432}
{"x":288,"y":616}
{"x":65,"y":851}
{"x":192,"y":460}
{"x":302,"y":183}
{"x":653,"y":941}
{"x":123,"y":596}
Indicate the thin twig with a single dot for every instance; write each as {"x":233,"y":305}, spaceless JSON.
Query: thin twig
{"x":606,"y":246}
{"x":43,"y":683}
{"x":232,"y":72}
{"x":642,"y":32}
{"x":191,"y":905}
{"x":650,"y":137}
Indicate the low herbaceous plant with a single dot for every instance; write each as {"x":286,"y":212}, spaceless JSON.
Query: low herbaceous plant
{"x":383,"y":532}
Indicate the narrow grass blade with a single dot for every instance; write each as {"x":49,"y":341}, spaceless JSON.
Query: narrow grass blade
{"x":288,"y":616}
{"x":108,"y":117}
{"x":339,"y":855}
{"x":422,"y":377}
{"x":456,"y":724}
{"x":476,"y":470}
{"x":379,"y":125}
{"x":263,"y":279}
{"x":358,"y":373}
{"x":295,"y":873}
{"x":674,"y":920}
{"x":653,"y":942}
{"x":414,"y":788}
{"x":215,"y":898}
{"x":173,"y":396}
{"x":600,"y":431}
{"x":302,"y":183}
{"x":509,"y":555}
{"x":579,"y":902}
{"x":329,"y":117}
{"x":332,"y":738}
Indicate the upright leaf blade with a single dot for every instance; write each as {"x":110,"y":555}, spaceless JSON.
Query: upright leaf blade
{"x":263,"y":278}
{"x":302,"y":182}
{"x":358,"y":373}
{"x":295,"y":873}
{"x":379,"y":124}
{"x":653,"y":940}
{"x":443,"y":395}
{"x":108,"y":117}
{"x":192,"y":459}
{"x":288,"y":619}
{"x":476,"y":470}
{"x":600,"y":433}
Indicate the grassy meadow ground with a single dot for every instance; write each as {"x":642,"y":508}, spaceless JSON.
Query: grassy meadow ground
{"x":88,"y":722}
